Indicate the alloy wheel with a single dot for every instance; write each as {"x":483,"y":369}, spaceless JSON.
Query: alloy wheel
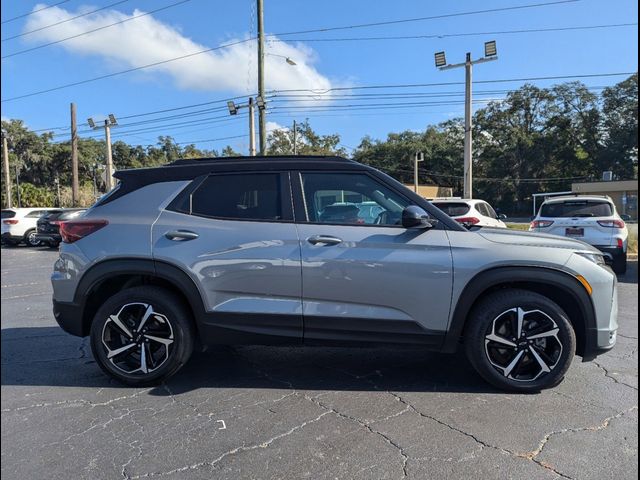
{"x":138,"y":340}
{"x":523,"y":344}
{"x":32,"y":240}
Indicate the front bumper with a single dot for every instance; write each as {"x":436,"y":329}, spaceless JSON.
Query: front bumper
{"x":69,"y":317}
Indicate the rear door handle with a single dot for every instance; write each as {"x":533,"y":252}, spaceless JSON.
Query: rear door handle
{"x":181,"y":235}
{"x":324,"y":240}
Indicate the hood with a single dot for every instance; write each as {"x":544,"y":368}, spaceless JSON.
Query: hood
{"x":533,"y":239}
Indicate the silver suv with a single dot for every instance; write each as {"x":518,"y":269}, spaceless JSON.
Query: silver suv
{"x":238,"y":250}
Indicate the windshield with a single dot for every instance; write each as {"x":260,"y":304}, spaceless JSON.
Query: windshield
{"x":577,"y":208}
{"x":453,"y":209}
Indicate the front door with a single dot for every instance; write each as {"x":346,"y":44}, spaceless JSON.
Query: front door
{"x":234,"y":235}
{"x":364,"y":276}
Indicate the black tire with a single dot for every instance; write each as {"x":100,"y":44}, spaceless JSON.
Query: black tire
{"x":53,"y":244}
{"x":495,"y":317}
{"x":171,"y":320}
{"x":30,"y":239}
{"x":620,"y":263}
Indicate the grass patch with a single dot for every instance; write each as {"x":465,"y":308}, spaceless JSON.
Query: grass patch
{"x":633,"y":243}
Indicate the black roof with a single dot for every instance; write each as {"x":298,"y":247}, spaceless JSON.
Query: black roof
{"x":190,"y":168}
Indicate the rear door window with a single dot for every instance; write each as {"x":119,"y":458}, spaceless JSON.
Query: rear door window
{"x":251,"y":196}
{"x":577,"y":208}
{"x":453,"y":209}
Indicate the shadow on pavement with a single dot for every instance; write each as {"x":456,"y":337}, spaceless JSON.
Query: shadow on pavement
{"x":46,"y":356}
{"x":631,"y":276}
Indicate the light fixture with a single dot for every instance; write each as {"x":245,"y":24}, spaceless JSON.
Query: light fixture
{"x":441,"y":60}
{"x":112,"y":119}
{"x":91,"y":123}
{"x":233,"y":110}
{"x":490,"y":49}
{"x":260,"y":102}
{"x":289,"y":61}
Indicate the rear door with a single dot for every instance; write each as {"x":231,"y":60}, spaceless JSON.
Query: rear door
{"x":234,"y":235}
{"x":578,"y":218}
{"x":368,"y":279}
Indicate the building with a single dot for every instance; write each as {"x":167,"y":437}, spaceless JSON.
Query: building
{"x":624,"y":193}
{"x":432,"y":191}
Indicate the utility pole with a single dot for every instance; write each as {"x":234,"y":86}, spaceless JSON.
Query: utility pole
{"x":490,"y":54}
{"x":18,"y":185}
{"x":7,"y":176}
{"x":262,"y":121}
{"x":56,"y":181}
{"x":419,"y":157}
{"x":75,"y":187}
{"x":95,"y":181}
{"x":252,"y":128}
{"x":295,"y":138}
{"x":109,"y":122}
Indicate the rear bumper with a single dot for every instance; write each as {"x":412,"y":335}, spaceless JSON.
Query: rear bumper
{"x":69,"y":317}
{"x":8,"y":237}
{"x":49,"y":237}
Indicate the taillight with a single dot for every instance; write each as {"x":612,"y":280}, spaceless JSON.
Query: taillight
{"x":611,"y":223}
{"x":620,"y":243}
{"x":76,"y":229}
{"x":10,"y":222}
{"x":541,"y":224}
{"x":468,"y":220}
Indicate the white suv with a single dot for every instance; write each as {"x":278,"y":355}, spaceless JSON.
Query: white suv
{"x":470,"y":213}
{"x":592,"y":219}
{"x":19,"y":225}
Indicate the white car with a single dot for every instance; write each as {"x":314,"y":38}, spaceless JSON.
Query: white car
{"x":470,"y":213}
{"x":590,"y":218}
{"x":20,"y":224}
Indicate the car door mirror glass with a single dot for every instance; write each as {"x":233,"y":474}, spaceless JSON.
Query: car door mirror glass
{"x":502,"y":216}
{"x":415,"y":217}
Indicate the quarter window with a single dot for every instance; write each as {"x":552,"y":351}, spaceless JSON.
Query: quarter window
{"x":240,"y":197}
{"x":349,"y":198}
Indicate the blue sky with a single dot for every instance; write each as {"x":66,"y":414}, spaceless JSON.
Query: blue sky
{"x":194,"y":25}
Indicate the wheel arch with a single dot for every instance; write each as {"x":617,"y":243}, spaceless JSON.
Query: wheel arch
{"x":110,"y":276}
{"x":559,"y":286}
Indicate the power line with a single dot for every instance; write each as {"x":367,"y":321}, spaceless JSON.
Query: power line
{"x":155,"y":64}
{"x":34,"y":11}
{"x":20,"y":52}
{"x":421,"y":19}
{"x":447,"y":35}
{"x":63,"y":21}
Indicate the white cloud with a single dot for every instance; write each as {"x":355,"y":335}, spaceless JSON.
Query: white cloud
{"x":271,"y":126}
{"x":147,"y":40}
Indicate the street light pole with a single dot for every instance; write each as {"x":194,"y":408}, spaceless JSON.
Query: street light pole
{"x":419,"y":157}
{"x":7,"y":174}
{"x":18,"y":185}
{"x":252,"y":128}
{"x":490,"y":54}
{"x":109,"y":122}
{"x":262,"y":121}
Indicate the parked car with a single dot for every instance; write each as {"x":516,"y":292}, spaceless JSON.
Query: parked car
{"x":19,"y":225}
{"x":591,"y":219}
{"x":237,"y":250}
{"x":471,"y":213}
{"x":48,"y":229}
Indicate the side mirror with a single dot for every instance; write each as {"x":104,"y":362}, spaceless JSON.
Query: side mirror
{"x":625,"y":217}
{"x":502,"y":216}
{"x":415,"y":217}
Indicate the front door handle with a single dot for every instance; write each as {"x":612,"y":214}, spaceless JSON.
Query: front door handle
{"x":181,"y":235}
{"x":324,"y":240}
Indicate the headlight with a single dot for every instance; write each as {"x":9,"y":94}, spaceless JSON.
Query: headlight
{"x":596,"y":258}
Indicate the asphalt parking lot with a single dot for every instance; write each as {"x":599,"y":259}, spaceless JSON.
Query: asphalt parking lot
{"x":257,"y":412}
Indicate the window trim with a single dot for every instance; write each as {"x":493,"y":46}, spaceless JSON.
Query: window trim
{"x":286,"y":199}
{"x":300,"y":201}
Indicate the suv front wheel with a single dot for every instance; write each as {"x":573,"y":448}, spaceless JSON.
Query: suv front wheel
{"x":520,"y":340}
{"x":142,"y":335}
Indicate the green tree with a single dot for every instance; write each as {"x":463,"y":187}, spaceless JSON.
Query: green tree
{"x":308,"y":142}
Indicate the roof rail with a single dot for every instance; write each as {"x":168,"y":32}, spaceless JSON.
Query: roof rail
{"x":302,"y":158}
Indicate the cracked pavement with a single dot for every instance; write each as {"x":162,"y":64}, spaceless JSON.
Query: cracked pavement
{"x":322,"y":413}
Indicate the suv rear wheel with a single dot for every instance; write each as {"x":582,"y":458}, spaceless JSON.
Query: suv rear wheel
{"x":142,"y":335}
{"x":520,"y":340}
{"x":30,"y":238}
